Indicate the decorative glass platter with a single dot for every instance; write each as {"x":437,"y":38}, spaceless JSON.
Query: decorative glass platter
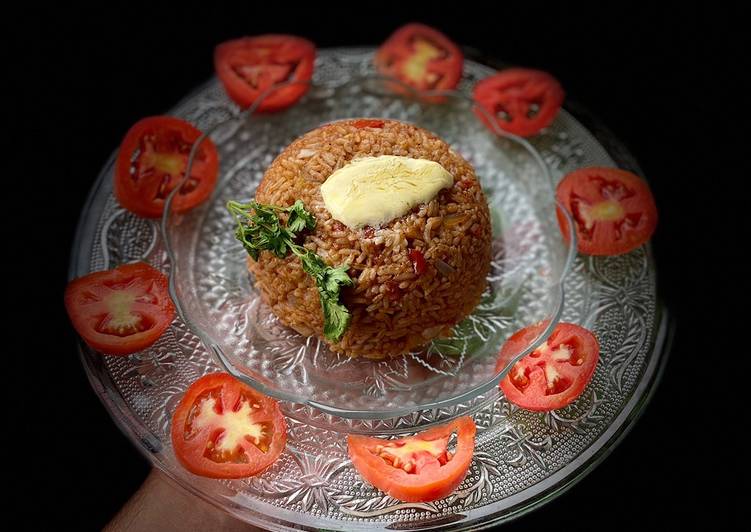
{"x":521,"y":459}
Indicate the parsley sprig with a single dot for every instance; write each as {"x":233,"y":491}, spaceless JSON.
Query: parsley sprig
{"x":259,"y":228}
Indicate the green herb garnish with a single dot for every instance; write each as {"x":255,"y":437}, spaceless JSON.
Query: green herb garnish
{"x":262,"y":230}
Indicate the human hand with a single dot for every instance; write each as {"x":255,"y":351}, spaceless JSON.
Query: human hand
{"x":160,"y":504}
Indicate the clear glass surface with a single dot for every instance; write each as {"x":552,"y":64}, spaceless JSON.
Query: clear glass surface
{"x":522,"y":459}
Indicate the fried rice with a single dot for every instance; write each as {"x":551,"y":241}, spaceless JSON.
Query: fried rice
{"x":395,"y":309}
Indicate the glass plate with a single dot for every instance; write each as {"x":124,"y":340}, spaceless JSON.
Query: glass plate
{"x":217,"y":299}
{"x":522,"y":459}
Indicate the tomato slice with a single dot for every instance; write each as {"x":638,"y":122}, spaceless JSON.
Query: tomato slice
{"x":555,"y":373}
{"x":613,"y":210}
{"x":152,"y":162}
{"x":223,"y":428}
{"x":421,"y":57}
{"x":522,"y":101}
{"x":249,"y":66}
{"x":419,"y":468}
{"x":120,"y":311}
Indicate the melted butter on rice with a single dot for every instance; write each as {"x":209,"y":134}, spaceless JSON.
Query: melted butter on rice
{"x":375,"y":190}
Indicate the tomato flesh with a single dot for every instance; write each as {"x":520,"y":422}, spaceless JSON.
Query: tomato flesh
{"x":421,"y":57}
{"x":418,"y":261}
{"x":414,"y":456}
{"x":152,"y":161}
{"x":368,"y":122}
{"x":416,"y":66}
{"x":613,"y":210}
{"x":519,"y":100}
{"x":418,"y":468}
{"x":554,"y":374}
{"x":222,"y":428}
{"x":120,"y":311}
{"x":248,"y":67}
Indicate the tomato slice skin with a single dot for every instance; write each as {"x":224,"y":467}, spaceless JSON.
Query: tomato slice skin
{"x":248,"y":66}
{"x":554,"y":374}
{"x":120,"y":311}
{"x":435,"y":479}
{"x":422,"y":57}
{"x":152,"y":161}
{"x":512,"y":95}
{"x":613,"y":210}
{"x":218,"y":408}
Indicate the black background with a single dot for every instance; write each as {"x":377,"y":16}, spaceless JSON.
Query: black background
{"x":666,"y":80}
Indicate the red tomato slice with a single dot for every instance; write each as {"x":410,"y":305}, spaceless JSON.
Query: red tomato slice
{"x":614,"y":210}
{"x":223,"y":428}
{"x":421,"y":57}
{"x":152,"y":162}
{"x":418,"y":468}
{"x":521,"y":100}
{"x":120,"y":311}
{"x":249,"y":66}
{"x":555,"y":373}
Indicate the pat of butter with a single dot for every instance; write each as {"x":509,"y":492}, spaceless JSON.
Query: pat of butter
{"x":375,"y":190}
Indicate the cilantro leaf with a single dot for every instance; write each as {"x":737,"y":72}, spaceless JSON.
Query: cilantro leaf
{"x":299,"y":218}
{"x":333,"y":278}
{"x":336,"y":317}
{"x":260,"y":229}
